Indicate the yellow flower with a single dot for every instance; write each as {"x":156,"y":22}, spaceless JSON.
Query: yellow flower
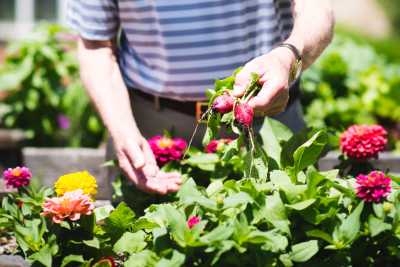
{"x":77,"y":180}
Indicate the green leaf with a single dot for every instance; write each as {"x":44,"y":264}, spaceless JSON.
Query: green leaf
{"x":177,"y":259}
{"x":44,"y":256}
{"x":302,"y":205}
{"x":237,"y":199}
{"x":313,"y":180}
{"x":168,"y":216}
{"x":189,"y":195}
{"x":103,"y":212}
{"x":286,"y":261}
{"x":271,"y":241}
{"x":204,"y":161}
{"x":145,"y":258}
{"x":320,"y":234}
{"x":220,"y":233}
{"x":304,"y":251}
{"x":274,"y":212}
{"x":308,"y":153}
{"x":94,"y":243}
{"x":272,"y":134}
{"x":130,"y":243}
{"x":377,"y":226}
{"x":119,"y":220}
{"x":282,"y":181}
{"x":72,"y":258}
{"x":350,"y":227}
{"x":144,"y":224}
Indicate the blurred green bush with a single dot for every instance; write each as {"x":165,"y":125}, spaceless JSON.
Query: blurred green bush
{"x":351,"y":83}
{"x":44,"y":95}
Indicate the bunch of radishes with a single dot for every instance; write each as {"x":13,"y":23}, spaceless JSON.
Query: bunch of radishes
{"x":225,"y":103}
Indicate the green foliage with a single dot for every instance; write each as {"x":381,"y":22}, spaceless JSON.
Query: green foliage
{"x":352,"y":84}
{"x":258,"y":202}
{"x":40,"y":77}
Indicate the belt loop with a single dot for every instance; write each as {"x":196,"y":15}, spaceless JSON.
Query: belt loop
{"x":157,"y":103}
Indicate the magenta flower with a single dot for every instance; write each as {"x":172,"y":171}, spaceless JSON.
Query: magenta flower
{"x":193,"y":221}
{"x":217,"y":145}
{"x":363,"y":141}
{"x":167,"y":149}
{"x":17,"y":177}
{"x":374,"y":187}
{"x":63,"y":122}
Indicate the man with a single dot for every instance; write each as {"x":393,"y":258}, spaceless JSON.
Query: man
{"x":171,"y":51}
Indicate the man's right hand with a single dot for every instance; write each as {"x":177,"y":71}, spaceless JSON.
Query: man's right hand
{"x":138,"y":162}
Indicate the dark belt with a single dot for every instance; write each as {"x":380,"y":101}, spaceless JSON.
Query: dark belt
{"x":194,"y":108}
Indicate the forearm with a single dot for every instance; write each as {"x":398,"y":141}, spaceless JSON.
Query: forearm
{"x":313,"y":28}
{"x":103,"y":81}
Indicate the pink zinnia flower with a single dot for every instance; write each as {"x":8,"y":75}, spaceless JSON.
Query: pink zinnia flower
{"x":17,"y":177}
{"x":192,"y":221}
{"x":63,"y":122}
{"x":223,"y":103}
{"x":363,"y":141}
{"x":72,"y":205}
{"x":244,"y":114}
{"x":217,"y":145}
{"x":167,"y":149}
{"x":374,"y":187}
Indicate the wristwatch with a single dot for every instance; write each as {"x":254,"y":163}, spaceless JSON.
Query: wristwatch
{"x":296,"y":68}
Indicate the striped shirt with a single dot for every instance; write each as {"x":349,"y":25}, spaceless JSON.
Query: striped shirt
{"x":177,"y":48}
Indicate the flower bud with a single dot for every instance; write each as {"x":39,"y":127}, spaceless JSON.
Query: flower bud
{"x":387,"y":207}
{"x":244,"y":114}
{"x":223,"y":103}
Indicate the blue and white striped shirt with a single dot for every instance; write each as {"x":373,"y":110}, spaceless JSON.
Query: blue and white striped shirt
{"x":177,"y":48}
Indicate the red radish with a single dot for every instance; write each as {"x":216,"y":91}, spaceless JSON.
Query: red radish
{"x":244,"y":114}
{"x":223,"y":103}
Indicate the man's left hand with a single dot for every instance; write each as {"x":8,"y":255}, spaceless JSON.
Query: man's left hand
{"x":274,"y":71}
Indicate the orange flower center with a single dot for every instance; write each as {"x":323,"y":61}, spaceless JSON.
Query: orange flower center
{"x":165,"y":142}
{"x":16,"y":172}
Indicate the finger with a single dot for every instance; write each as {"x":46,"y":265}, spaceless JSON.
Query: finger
{"x":241,"y":81}
{"x":173,"y":188}
{"x":268,"y":92}
{"x":148,"y":153}
{"x":173,"y":178}
{"x":135,"y":155}
{"x":145,"y":184}
{"x":126,"y":167}
{"x":159,"y":186}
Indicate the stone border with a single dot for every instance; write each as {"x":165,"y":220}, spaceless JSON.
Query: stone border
{"x":386,"y":161}
{"x":47,"y":164}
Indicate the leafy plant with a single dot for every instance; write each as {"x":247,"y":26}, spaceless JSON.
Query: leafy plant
{"x":44,"y":97}
{"x":352,"y":84}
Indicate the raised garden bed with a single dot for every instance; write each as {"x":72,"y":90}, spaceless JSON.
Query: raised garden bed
{"x":50,"y":163}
